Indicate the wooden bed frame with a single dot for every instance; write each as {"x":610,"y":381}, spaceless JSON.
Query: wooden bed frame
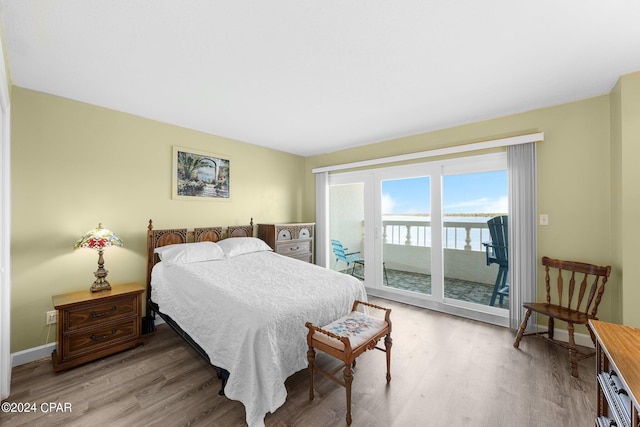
{"x":158,"y":238}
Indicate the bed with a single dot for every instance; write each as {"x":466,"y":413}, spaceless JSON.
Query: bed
{"x":242,"y":306}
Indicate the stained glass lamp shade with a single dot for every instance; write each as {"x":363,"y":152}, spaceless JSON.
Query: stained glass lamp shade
{"x":98,"y":239}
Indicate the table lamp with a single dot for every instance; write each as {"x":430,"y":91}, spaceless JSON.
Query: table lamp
{"x":98,"y":239}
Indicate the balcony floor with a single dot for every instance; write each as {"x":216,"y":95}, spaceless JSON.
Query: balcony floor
{"x":463,"y":290}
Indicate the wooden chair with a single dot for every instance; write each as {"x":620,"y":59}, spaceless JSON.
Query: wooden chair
{"x":346,"y":339}
{"x":571,"y":308}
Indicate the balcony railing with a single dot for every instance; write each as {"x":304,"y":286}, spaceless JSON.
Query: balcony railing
{"x":458,"y":234}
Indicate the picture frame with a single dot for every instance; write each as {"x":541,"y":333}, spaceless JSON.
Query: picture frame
{"x":199,"y":175}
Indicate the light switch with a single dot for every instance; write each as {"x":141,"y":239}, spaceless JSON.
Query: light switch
{"x":544,"y":219}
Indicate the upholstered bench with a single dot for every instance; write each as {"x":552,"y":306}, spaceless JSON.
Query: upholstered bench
{"x":346,"y":339}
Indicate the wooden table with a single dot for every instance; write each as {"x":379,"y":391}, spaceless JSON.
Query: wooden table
{"x":94,"y":325}
{"x":618,"y":370}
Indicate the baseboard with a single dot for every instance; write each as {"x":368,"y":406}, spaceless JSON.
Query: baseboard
{"x":23,"y":357}
{"x":32,"y":354}
{"x":583,"y":340}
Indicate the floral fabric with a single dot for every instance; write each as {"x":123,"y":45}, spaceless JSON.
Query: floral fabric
{"x":354,"y":324}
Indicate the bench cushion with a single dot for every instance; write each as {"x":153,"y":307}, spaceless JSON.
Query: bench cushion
{"x":356,"y":326}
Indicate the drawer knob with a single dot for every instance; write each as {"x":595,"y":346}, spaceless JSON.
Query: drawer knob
{"x":104,"y":337}
{"x":104,"y":313}
{"x":294,"y":249}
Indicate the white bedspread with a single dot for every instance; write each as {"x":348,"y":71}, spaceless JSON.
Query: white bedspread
{"x":248,"y":314}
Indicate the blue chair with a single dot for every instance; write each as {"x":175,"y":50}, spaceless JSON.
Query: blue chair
{"x":348,"y":257}
{"x":497,"y":252}
{"x":352,"y":258}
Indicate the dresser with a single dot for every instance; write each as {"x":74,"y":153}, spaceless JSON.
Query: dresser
{"x":94,"y":325}
{"x":294,"y":240}
{"x":618,"y":371}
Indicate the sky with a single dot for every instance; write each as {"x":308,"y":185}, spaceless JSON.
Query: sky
{"x":484,"y":192}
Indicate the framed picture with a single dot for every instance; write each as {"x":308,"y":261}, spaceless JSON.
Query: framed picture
{"x":198,"y":175}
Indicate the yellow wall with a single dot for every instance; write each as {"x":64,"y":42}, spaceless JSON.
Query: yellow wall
{"x":616,"y":200}
{"x":574,"y":178}
{"x":629,"y":205}
{"x":74,"y":165}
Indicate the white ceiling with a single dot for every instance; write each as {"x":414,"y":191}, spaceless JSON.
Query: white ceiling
{"x":309,"y":77}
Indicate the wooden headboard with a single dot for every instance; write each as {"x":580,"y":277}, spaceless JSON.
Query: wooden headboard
{"x":158,"y":238}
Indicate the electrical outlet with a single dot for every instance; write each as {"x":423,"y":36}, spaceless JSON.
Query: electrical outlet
{"x":52,"y":317}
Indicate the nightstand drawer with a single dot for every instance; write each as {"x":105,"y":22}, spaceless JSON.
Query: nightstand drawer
{"x":92,"y":314}
{"x":294,"y":248}
{"x":100,"y":337}
{"x":92,"y":325}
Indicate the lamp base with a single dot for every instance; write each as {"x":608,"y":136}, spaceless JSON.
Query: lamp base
{"x":100,"y":286}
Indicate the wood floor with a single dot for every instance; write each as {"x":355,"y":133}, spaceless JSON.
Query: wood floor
{"x":446,"y":371}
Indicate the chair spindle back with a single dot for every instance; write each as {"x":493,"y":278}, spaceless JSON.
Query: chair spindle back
{"x":593,"y":274}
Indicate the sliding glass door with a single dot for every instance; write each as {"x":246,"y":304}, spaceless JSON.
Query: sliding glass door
{"x":470,"y":200}
{"x":415,"y":233}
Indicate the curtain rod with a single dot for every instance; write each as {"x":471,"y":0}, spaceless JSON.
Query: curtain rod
{"x":494,"y":143}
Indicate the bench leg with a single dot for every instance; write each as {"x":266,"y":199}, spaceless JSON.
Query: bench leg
{"x":311,"y":357}
{"x":388,"y":342}
{"x":348,"y":379}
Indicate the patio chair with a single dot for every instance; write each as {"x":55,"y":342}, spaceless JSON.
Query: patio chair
{"x":497,"y":252}
{"x":361,"y":263}
{"x":350,"y":258}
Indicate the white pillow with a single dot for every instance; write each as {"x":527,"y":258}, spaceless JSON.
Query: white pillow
{"x":184,"y":253}
{"x":235,"y":246}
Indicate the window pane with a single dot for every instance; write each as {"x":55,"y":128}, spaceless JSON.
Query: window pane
{"x":346,"y":225}
{"x":406,"y":225}
{"x":469,"y":201}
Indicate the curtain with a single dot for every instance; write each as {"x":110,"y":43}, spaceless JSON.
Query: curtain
{"x":322,"y":219}
{"x":521,"y":165}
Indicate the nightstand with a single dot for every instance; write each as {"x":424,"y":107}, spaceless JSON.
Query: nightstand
{"x":94,"y":325}
{"x":294,"y":240}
